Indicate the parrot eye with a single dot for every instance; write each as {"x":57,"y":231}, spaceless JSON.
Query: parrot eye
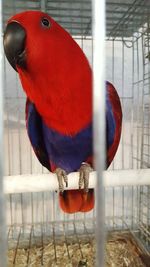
{"x":45,"y":23}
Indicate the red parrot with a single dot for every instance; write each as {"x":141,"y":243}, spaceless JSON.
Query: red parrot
{"x":57,"y":79}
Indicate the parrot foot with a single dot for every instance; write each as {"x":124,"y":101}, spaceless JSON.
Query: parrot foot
{"x":61,"y":177}
{"x":84,"y":171}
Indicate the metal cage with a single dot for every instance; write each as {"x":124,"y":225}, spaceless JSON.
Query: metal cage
{"x":33,"y":218}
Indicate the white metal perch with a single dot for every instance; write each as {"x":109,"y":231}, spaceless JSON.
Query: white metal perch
{"x":48,"y":182}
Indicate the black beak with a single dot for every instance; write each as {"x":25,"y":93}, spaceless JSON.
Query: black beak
{"x":14,"y":45}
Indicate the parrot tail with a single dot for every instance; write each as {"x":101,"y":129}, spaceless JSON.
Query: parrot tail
{"x":72,"y":201}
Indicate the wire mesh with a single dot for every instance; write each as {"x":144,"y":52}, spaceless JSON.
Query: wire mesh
{"x":123,"y":18}
{"x":34,"y":217}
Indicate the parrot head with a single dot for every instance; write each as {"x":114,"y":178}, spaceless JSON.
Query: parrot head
{"x":53,"y":69}
{"x":33,"y":36}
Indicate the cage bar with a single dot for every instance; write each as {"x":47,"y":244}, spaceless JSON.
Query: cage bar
{"x":2,"y":197}
{"x":99,"y":123}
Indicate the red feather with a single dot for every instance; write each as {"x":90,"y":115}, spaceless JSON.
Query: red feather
{"x":58,"y":77}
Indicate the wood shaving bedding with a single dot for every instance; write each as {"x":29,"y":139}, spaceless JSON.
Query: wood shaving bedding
{"x":120,"y":252}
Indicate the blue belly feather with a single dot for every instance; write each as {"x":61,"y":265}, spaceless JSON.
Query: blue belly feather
{"x":68,"y":152}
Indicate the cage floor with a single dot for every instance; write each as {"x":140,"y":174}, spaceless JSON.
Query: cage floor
{"x":73,"y":249}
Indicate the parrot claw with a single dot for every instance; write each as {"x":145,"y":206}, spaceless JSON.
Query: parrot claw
{"x":84,"y":171}
{"x":61,"y":177}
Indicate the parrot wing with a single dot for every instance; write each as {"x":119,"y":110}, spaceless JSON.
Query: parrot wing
{"x":113,"y":122}
{"x":35,"y":133}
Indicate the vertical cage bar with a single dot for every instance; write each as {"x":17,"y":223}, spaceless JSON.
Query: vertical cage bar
{"x":43,"y":5}
{"x":113,"y":77}
{"x":122,"y":89}
{"x":99,"y":122}
{"x":2,"y":209}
